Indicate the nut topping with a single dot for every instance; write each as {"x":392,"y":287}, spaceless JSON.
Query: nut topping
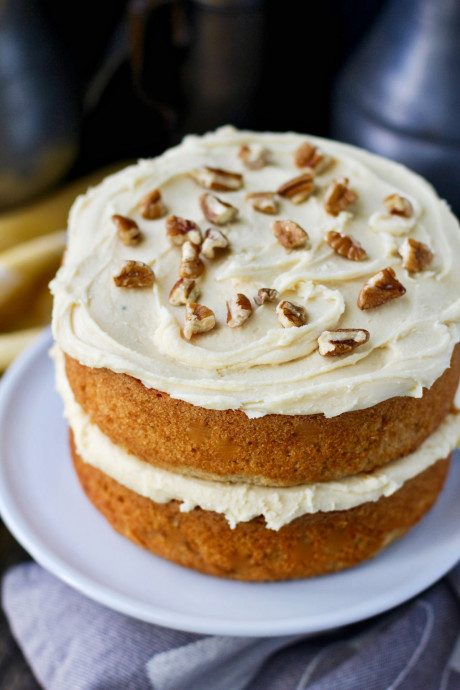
{"x":198,"y":319}
{"x":213,"y":239}
{"x":289,"y":234}
{"x":398,"y":205}
{"x":254,"y":156}
{"x":152,"y":206}
{"x":298,"y":189}
{"x":128,"y":230}
{"x":239,"y":310}
{"x":345,"y":245}
{"x":264,"y":202}
{"x":217,"y":179}
{"x":183,"y":291}
{"x":134,"y":274}
{"x":191,"y":265}
{"x":416,"y":256}
{"x":339,"y":196}
{"x":290,"y":314}
{"x":381,"y":288}
{"x":265,"y":295}
{"x":217,"y":211}
{"x":340,"y":341}
{"x":180,"y":230}
{"x":309,"y":156}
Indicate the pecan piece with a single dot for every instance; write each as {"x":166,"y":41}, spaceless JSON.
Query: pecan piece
{"x":217,"y":211}
{"x":152,"y":206}
{"x":339,"y":196}
{"x":183,"y":291}
{"x":239,"y":310}
{"x":345,"y":245}
{"x":416,"y":255}
{"x":289,"y":234}
{"x":309,"y":156}
{"x":398,"y":205}
{"x":298,"y":189}
{"x":381,"y":288}
{"x":128,"y":230}
{"x":264,"y":202}
{"x":253,"y":156}
{"x":134,"y":274}
{"x":217,"y":179}
{"x":214,"y":239}
{"x":290,"y":314}
{"x":265,"y":295}
{"x":342,"y":340}
{"x":198,"y":319}
{"x":191,"y":265}
{"x":180,"y":230}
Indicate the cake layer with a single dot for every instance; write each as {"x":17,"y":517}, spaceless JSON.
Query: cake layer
{"x":262,"y":367}
{"x":279,"y":450}
{"x":242,"y":502}
{"x":309,"y":545}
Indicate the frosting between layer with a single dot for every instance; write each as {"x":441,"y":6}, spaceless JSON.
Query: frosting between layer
{"x":243,"y":502}
{"x":262,"y":368}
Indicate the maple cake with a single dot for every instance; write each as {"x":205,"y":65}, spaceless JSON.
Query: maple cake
{"x":257,"y":345}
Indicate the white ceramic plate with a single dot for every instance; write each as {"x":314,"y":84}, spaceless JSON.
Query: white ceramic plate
{"x":42,"y":504}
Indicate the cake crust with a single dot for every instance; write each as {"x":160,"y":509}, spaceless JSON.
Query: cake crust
{"x":310,"y":545}
{"x":275,"y":450}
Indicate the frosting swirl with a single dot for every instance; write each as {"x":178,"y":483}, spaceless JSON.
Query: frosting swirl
{"x":261,"y":367}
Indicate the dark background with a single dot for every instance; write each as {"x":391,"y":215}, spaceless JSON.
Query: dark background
{"x":304,"y":46}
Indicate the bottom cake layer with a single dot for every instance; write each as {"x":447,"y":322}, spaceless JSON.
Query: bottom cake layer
{"x":313,"y":544}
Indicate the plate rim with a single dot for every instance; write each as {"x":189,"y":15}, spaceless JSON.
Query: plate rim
{"x":43,"y":554}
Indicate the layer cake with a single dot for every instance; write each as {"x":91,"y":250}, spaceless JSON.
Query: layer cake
{"x":257,"y":347}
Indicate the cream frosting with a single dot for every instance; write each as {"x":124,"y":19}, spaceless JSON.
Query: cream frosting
{"x":260,"y":367}
{"x":243,"y":502}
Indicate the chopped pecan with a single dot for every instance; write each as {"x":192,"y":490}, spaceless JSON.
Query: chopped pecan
{"x":213,"y":239}
{"x":183,"y":291}
{"x":217,"y":211}
{"x":309,"y":156}
{"x":128,"y":230}
{"x":345,"y":245}
{"x":290,"y":314}
{"x":254,"y":156}
{"x":264,"y":202}
{"x":180,"y":230}
{"x":339,"y":196}
{"x":381,"y":288}
{"x":416,"y":255}
{"x":191,"y":265}
{"x":398,"y":205}
{"x":298,"y":189}
{"x":198,"y":319}
{"x":217,"y":179}
{"x":265,"y":295}
{"x":134,"y":274}
{"x":239,"y":310}
{"x":289,"y":234}
{"x":152,"y":206}
{"x":342,"y":340}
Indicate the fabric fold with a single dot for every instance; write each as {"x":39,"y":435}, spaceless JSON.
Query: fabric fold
{"x":74,"y":643}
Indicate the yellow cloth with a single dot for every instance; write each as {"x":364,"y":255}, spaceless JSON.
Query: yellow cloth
{"x":32,"y":241}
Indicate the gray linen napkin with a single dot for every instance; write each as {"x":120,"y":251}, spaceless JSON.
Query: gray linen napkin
{"x":73,"y":643}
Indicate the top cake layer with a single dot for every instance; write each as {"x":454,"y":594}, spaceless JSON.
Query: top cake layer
{"x":262,"y":367}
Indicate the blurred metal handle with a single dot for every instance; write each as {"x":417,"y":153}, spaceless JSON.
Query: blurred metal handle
{"x":198,"y":62}
{"x":158,"y":38}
